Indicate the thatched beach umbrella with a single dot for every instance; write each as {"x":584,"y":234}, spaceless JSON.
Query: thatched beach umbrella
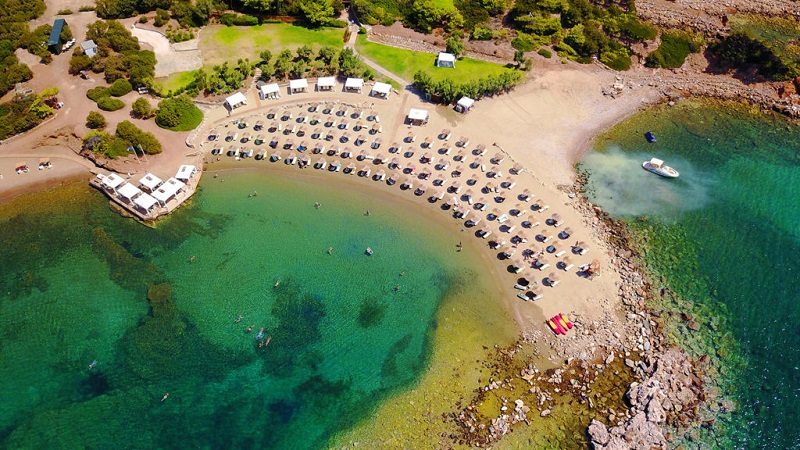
{"x":380,"y":159}
{"x":395,"y":164}
{"x":395,"y":148}
{"x":376,"y":143}
{"x":346,"y":153}
{"x":443,"y":164}
{"x":343,"y":110}
{"x":411,"y":137}
{"x":426,"y":143}
{"x":274,"y":126}
{"x":445,"y":150}
{"x":361,"y":139}
{"x":301,"y":131}
{"x":498,"y":158}
{"x":425,"y":158}
{"x":350,"y":168}
{"x":376,"y":128}
{"x":553,"y":279}
{"x":408,"y":183}
{"x":566,"y":264}
{"x":393,"y":179}
{"x":459,"y":156}
{"x":445,"y":134}
{"x":380,"y":175}
{"x":411,"y":169}
{"x":305,"y":159}
{"x":463,"y":141}
{"x":517,"y":169}
{"x":358,"y":126}
{"x":555,"y":219}
{"x":425,"y":174}
{"x":321,"y":162}
{"x":271,"y":113}
{"x":312,"y":107}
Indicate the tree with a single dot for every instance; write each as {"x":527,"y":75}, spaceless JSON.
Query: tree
{"x":305,"y":53}
{"x":283,"y":64}
{"x":349,"y":63}
{"x":136,"y":137}
{"x":95,"y":120}
{"x":317,"y":12}
{"x":142,"y":108}
{"x":265,"y":56}
{"x":79,"y":61}
{"x":454,"y":46}
{"x":260,"y":5}
{"x":326,"y":54}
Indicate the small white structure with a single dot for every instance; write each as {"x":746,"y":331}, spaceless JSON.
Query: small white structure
{"x":89,"y":48}
{"x":150,"y":181}
{"x":129,"y":191}
{"x":112,"y":181}
{"x":168,"y":190}
{"x":446,"y":60}
{"x":418,"y":116}
{"x":236,"y":100}
{"x":464,"y":105}
{"x":145,"y":201}
{"x":381,"y":90}
{"x":299,"y":85}
{"x":326,"y":83}
{"x":185,"y":172}
{"x":270,"y":91}
{"x":354,"y":85}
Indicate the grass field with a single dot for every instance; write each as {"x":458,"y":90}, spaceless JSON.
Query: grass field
{"x":406,"y":63}
{"x":175,"y":81}
{"x":220,"y":43}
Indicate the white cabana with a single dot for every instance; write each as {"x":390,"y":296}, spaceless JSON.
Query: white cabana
{"x":446,"y":60}
{"x":185,"y":172}
{"x":129,"y":191}
{"x":299,"y":85}
{"x":381,"y":89}
{"x":326,"y":83}
{"x":145,"y":201}
{"x":464,"y":104}
{"x":112,"y":181}
{"x":168,"y":190}
{"x":354,"y":85}
{"x":418,"y":116}
{"x":150,"y":181}
{"x":270,"y":91}
{"x":236,"y":100}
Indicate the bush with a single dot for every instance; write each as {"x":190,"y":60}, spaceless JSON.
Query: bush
{"x":362,"y":30}
{"x":545,"y":52}
{"x":245,"y":20}
{"x":64,"y":12}
{"x":79,"y":61}
{"x":120,"y":87}
{"x":178,"y":114}
{"x":638,"y":31}
{"x":97,"y":93}
{"x":142,"y":19}
{"x":674,"y":48}
{"x":741,"y":52}
{"x":337,"y":23}
{"x":95,"y":120}
{"x":110,"y":104}
{"x":482,"y":34}
{"x":86,"y":8}
{"x":136,"y":137}
{"x":524,"y":42}
{"x":141,"y":107}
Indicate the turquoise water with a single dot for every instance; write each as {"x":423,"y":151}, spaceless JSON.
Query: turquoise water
{"x":725,"y":235}
{"x":156,"y":309}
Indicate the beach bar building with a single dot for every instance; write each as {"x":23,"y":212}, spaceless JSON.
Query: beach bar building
{"x":381,"y":90}
{"x":418,"y":116}
{"x":236,"y":100}
{"x":270,"y":91}
{"x":326,"y":83}
{"x":128,"y":191}
{"x":111,"y":181}
{"x":145,"y":202}
{"x":464,"y":105}
{"x":168,"y":190}
{"x":354,"y":85}
{"x":446,"y":60}
{"x":298,"y":85}
{"x":150,"y":182}
{"x":54,"y":43}
{"x":185,"y":172}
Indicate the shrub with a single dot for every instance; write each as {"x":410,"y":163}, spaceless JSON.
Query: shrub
{"x":482,"y":34}
{"x":120,"y":87}
{"x":227,"y":19}
{"x":95,"y":120}
{"x":178,"y":114}
{"x":524,"y":42}
{"x":136,"y":137}
{"x":97,"y":93}
{"x":545,"y":52}
{"x":162,"y":17}
{"x":674,"y":48}
{"x":141,"y":107}
{"x":142,"y":19}
{"x":86,"y":8}
{"x":110,"y":104}
{"x":741,"y":52}
{"x":337,"y":23}
{"x":64,"y":12}
{"x":638,"y":31}
{"x":362,"y":30}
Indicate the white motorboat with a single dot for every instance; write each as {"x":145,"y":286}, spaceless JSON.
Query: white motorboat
{"x":657,"y":166}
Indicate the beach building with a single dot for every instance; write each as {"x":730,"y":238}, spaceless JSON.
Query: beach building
{"x":418,"y":116}
{"x":145,"y":202}
{"x":236,"y":100}
{"x":270,"y":91}
{"x":326,"y":83}
{"x":464,"y":105}
{"x":381,"y":90}
{"x":186,"y":172}
{"x":298,"y":85}
{"x":150,"y":182}
{"x":89,"y":48}
{"x":111,"y":181}
{"x":446,"y":60}
{"x":54,"y":43}
{"x":128,"y":192}
{"x":168,"y":190}
{"x":354,"y":85}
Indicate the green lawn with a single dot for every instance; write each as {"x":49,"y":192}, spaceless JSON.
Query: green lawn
{"x":175,"y":81}
{"x":220,"y":43}
{"x":406,"y":63}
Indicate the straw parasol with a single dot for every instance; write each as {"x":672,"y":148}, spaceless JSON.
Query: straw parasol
{"x":377,"y":142}
{"x":351,"y":167}
{"x":427,"y":142}
{"x":445,"y":134}
{"x":365,"y":169}
{"x":517,"y":168}
{"x":271,"y":113}
{"x":536,"y":291}
{"x":395,"y":148}
{"x":313,"y":106}
{"x":411,"y":137}
{"x":498,"y":158}
{"x":273,"y":126}
{"x":565,"y":233}
{"x":395,"y":164}
{"x":361,"y":138}
{"x":393,"y":178}
{"x":443,"y":164}
{"x":565,"y":263}
{"x":480,"y":148}
{"x":554,"y":278}
{"x":379,"y":159}
{"x":347,"y":153}
{"x":381,"y":174}
{"x":462,"y":141}
{"x":377,"y":128}
{"x":305,"y":159}
{"x":555,"y":218}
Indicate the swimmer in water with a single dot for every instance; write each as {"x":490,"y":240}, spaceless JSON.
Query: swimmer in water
{"x":165,"y":396}
{"x":92,"y":364}
{"x":277,"y":283}
{"x":239,"y":318}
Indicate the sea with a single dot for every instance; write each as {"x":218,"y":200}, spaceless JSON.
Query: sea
{"x":722,"y":241}
{"x":249,"y":318}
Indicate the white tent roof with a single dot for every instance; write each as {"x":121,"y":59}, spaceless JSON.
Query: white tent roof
{"x":185,"y":171}
{"x":354,"y":83}
{"x":300,"y":83}
{"x":270,"y":88}
{"x":150,"y":181}
{"x":326,"y":81}
{"x":236,"y":99}
{"x":447,"y":57}
{"x":168,"y":189}
{"x":383,"y":88}
{"x":466,"y":102}
{"x":417,"y":114}
{"x":129,"y":191}
{"x":112,"y":180}
{"x":145,"y":201}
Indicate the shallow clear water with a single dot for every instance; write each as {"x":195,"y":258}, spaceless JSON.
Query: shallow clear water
{"x":725,"y":235}
{"x":156,"y":309}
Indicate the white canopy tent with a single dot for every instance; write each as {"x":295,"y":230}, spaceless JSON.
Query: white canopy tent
{"x":168,"y":190}
{"x":150,"y":181}
{"x":112,"y":181}
{"x":185,"y":172}
{"x":299,"y":85}
{"x":129,"y":191}
{"x":270,"y":91}
{"x":418,"y":116}
{"x":326,"y":83}
{"x":145,"y":201}
{"x":464,"y":104}
{"x":354,"y":84}
{"x":236,"y":100}
{"x":381,"y":89}
{"x":446,"y":60}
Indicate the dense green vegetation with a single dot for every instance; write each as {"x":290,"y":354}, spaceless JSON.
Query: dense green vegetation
{"x":14,"y":33}
{"x":178,"y":114}
{"x":118,"y":55}
{"x":448,"y":91}
{"x":142,"y":108}
{"x":95,"y":120}
{"x":741,"y":53}
{"x":116,"y":145}
{"x":22,"y":114}
{"x":110,"y":104}
{"x":675,"y":47}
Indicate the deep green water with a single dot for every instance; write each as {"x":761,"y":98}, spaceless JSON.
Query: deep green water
{"x":156,"y":309}
{"x":726,"y":237}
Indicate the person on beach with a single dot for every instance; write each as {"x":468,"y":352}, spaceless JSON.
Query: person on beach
{"x":367,"y":213}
